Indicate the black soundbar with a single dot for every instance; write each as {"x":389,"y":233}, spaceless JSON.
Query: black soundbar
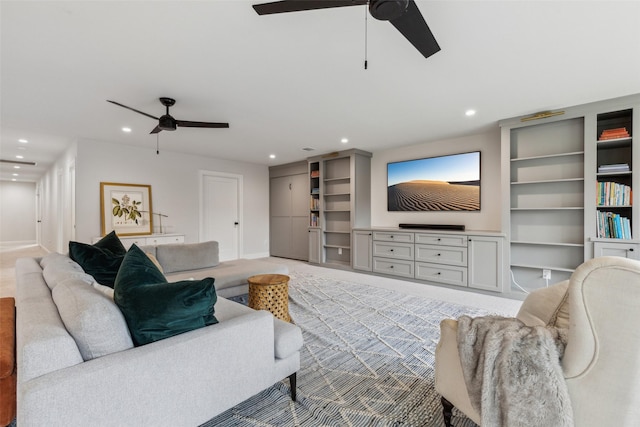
{"x":433,"y":226}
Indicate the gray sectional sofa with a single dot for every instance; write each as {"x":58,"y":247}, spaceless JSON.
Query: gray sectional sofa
{"x":77,"y":365}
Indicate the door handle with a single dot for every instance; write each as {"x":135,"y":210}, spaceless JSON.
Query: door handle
{"x":236,"y":223}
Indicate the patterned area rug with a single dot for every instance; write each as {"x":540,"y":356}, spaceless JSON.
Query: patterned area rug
{"x":367,"y":360}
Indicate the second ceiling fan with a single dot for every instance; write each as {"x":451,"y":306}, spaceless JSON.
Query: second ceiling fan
{"x":402,"y":14}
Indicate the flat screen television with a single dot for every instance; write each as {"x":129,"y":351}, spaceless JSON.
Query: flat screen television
{"x":443,"y":183}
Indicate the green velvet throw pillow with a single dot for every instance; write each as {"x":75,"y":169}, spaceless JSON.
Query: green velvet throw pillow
{"x":155,"y":309}
{"x":112,"y":243}
{"x":101,"y":260}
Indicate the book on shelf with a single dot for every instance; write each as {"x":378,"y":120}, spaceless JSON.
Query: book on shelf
{"x":613,"y":194}
{"x":314,"y":220}
{"x":618,"y":167}
{"x":315,"y":191}
{"x":315,"y":204}
{"x":613,"y":226}
{"x":615,"y":133}
{"x":315,"y":174}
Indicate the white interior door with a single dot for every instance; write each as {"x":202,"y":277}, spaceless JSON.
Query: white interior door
{"x":221,"y":212}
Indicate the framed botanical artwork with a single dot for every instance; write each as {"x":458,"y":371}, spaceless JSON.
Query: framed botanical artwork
{"x":126,"y":209}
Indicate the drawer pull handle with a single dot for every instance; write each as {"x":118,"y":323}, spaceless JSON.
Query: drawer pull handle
{"x":391,"y":266}
{"x":439,"y":254}
{"x":631,"y":250}
{"x":390,"y":250}
{"x":392,"y":236}
{"x":439,"y":239}
{"x":439,"y":273}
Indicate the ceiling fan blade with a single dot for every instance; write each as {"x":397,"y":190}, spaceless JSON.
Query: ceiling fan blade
{"x":155,"y":130}
{"x":188,"y":124}
{"x":300,"y":5}
{"x":413,"y":26}
{"x":132,"y":109}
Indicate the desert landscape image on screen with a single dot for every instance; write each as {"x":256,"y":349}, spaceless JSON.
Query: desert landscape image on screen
{"x":445,"y":183}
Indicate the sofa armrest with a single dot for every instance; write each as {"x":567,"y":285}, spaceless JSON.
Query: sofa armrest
{"x":182,"y":380}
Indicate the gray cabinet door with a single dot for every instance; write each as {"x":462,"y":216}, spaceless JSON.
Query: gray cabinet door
{"x":362,"y":248}
{"x":485,"y":263}
{"x":289,"y":216}
{"x":314,"y":245}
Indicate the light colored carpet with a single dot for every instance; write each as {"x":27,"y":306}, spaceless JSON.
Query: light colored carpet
{"x":367,"y":360}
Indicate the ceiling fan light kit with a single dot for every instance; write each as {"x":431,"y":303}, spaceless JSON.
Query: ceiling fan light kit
{"x":404,"y":15}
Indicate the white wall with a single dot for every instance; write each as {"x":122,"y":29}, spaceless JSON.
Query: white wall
{"x":17,"y":212}
{"x":174,"y":180}
{"x":488,"y":218}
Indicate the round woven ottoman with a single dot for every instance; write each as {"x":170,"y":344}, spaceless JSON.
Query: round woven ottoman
{"x":270,"y":292}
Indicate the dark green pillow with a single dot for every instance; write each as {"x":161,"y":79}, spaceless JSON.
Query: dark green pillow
{"x":101,"y":260}
{"x":155,"y":309}
{"x":112,"y":243}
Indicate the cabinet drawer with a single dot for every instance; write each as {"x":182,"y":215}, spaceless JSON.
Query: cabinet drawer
{"x":393,"y":267}
{"x":163,"y":240}
{"x":442,"y":254}
{"x":441,"y":273}
{"x":441,"y":239}
{"x":393,"y":250}
{"x":393,"y":237}
{"x":128,"y":241}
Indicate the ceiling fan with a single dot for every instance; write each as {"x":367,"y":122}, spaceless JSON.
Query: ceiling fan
{"x":167,"y":122}
{"x":403,"y":14}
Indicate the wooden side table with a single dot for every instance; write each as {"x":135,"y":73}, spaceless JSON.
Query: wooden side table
{"x":270,"y":292}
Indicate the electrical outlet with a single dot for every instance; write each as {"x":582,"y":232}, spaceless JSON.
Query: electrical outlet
{"x":546,"y":274}
{"x":340,"y":252}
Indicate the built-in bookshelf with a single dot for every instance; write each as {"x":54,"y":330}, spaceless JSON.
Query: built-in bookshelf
{"x":341,"y":202}
{"x":314,"y":192}
{"x":546,"y":211}
{"x":614,"y":175}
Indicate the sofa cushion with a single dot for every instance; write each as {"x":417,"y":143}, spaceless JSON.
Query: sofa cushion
{"x":155,"y":309}
{"x":51,"y":257}
{"x":64,"y":268}
{"x":92,"y":318}
{"x":187,"y":256}
{"x":97,"y":261}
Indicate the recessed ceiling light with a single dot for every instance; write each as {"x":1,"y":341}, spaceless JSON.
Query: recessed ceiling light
{"x":344,"y":140}
{"x":13,"y":179}
{"x":272,"y":156}
{"x":16,"y":167}
{"x":23,"y":141}
{"x":470,"y":113}
{"x":19,"y":157}
{"x":14,"y":174}
{"x":126,"y":129}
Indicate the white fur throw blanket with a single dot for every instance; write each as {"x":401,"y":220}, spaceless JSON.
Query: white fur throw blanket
{"x":513,"y":373}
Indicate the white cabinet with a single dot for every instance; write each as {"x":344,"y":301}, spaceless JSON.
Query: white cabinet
{"x":314,"y":245}
{"x":485,"y":263}
{"x":622,"y":249}
{"x":362,"y":250}
{"x":470,"y":260}
{"x":152,"y":239}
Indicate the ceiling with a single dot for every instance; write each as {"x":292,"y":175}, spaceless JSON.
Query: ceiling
{"x":292,"y":81}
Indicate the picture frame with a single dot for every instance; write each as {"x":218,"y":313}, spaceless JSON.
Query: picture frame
{"x":126,"y":209}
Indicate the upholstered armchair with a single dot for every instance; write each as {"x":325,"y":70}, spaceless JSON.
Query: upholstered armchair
{"x":600,"y":306}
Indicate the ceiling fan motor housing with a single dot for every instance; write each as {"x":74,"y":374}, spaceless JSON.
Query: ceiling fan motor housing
{"x":386,"y":10}
{"x":167,"y":122}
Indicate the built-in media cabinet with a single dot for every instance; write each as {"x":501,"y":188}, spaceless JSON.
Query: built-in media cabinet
{"x":339,"y":200}
{"x":569,"y":180}
{"x":468,"y":259}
